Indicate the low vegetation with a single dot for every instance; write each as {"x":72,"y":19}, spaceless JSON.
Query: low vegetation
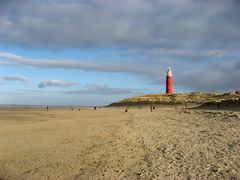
{"x":181,"y":99}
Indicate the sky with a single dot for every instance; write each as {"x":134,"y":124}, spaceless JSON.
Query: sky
{"x":94,"y":52}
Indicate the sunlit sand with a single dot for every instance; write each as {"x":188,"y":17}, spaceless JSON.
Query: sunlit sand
{"x":110,"y":144}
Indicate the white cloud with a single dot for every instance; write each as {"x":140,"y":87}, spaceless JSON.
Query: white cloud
{"x":14,"y":78}
{"x":218,"y":76}
{"x":103,"y":66}
{"x":56,"y":83}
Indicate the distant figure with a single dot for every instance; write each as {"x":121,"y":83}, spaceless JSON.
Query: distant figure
{"x":218,"y":105}
{"x":151,"y":108}
{"x":79,"y":109}
{"x":95,"y":108}
{"x":72,"y":108}
{"x":47,"y":108}
{"x":126,"y":110}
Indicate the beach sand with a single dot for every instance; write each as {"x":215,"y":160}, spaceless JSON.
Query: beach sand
{"x":110,"y":144}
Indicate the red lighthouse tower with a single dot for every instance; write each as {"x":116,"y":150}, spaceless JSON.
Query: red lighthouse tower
{"x":169,"y":82}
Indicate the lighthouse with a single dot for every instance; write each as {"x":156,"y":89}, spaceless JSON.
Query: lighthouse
{"x":169,"y":81}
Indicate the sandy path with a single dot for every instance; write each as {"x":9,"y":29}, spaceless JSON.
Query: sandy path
{"x":110,"y":144}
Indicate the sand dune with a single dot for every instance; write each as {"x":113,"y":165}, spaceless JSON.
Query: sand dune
{"x":110,"y":144}
{"x":180,"y":99}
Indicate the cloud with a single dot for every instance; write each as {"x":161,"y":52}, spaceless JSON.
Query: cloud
{"x":14,"y":78}
{"x":199,"y":54}
{"x":103,"y":66}
{"x":217,"y":77}
{"x":95,"y":89}
{"x":214,"y":76}
{"x":56,"y":83}
{"x":187,"y":54}
{"x":199,"y":40}
{"x":135,"y":23}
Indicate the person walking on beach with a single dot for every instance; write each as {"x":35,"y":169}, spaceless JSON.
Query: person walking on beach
{"x":47,"y":108}
{"x":151,"y":108}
